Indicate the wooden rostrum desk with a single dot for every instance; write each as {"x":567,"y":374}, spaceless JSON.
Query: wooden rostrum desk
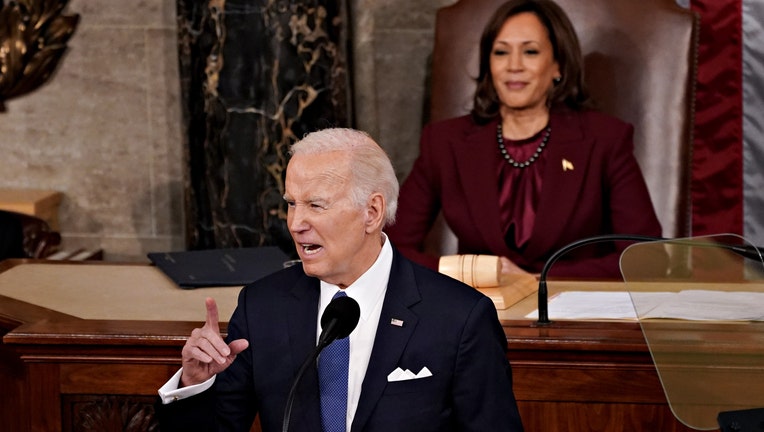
{"x":86,"y":345}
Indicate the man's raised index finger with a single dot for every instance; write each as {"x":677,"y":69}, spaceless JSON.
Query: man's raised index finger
{"x":212,"y":312}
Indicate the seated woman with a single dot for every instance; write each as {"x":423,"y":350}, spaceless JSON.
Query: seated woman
{"x":533,"y":167}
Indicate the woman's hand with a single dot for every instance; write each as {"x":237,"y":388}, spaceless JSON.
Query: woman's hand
{"x":511,"y":272}
{"x":510,"y":268}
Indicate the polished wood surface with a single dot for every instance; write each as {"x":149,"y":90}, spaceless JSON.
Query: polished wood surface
{"x":62,"y":372}
{"x":586,"y":376}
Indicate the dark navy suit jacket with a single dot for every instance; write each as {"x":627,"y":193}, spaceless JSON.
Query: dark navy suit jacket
{"x":448,"y":327}
{"x":592,"y":185}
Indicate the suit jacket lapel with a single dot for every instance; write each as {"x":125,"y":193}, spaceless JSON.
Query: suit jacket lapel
{"x":302,"y":315}
{"x":390,"y":340}
{"x":477,"y":169}
{"x":566,"y":164}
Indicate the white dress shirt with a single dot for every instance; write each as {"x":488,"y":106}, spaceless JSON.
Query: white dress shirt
{"x":369,"y":291}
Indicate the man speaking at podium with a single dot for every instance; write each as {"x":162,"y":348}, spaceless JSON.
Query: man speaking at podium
{"x":428,"y":352}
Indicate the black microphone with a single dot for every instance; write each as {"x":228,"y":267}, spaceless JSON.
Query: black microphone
{"x":748,"y":251}
{"x":338,"y":321}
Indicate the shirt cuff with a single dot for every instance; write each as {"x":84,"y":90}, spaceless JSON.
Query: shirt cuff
{"x":171,"y":393}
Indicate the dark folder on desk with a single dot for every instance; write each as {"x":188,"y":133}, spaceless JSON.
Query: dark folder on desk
{"x":219,"y":267}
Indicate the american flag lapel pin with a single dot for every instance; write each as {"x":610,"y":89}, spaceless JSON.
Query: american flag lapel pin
{"x":396,"y":322}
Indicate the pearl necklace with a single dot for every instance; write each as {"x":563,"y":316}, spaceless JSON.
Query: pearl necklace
{"x":536,"y":154}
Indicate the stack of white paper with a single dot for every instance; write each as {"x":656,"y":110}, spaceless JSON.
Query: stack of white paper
{"x":688,"y":305}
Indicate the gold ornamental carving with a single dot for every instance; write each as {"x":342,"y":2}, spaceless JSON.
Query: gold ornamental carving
{"x":33,"y":36}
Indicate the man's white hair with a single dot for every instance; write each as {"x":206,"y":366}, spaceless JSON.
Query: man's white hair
{"x":370,"y":167}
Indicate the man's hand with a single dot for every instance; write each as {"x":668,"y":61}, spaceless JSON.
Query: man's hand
{"x":205,"y":353}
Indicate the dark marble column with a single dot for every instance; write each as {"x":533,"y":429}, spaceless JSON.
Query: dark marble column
{"x":256,"y":75}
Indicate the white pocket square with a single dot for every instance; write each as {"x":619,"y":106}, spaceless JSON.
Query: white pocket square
{"x":403,"y":375}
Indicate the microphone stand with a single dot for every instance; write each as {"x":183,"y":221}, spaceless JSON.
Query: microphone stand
{"x":748,"y":251}
{"x":338,"y":320}
{"x":326,"y":337}
{"x":543,"y":293}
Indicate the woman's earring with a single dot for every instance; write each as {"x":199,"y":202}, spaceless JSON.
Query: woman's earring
{"x":557,"y":79}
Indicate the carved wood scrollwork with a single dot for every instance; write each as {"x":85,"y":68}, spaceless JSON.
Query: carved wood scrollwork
{"x":111,"y":414}
{"x":33,"y":36}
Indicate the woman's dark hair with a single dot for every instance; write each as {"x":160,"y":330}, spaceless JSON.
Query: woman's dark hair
{"x":570,"y":90}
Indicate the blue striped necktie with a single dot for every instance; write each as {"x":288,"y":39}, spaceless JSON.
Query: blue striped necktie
{"x":333,"y":382}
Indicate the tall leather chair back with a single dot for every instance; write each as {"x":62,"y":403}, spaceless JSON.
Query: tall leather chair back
{"x":639,"y":59}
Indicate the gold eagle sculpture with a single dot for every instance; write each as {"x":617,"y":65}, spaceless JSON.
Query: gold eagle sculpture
{"x":33,"y":36}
